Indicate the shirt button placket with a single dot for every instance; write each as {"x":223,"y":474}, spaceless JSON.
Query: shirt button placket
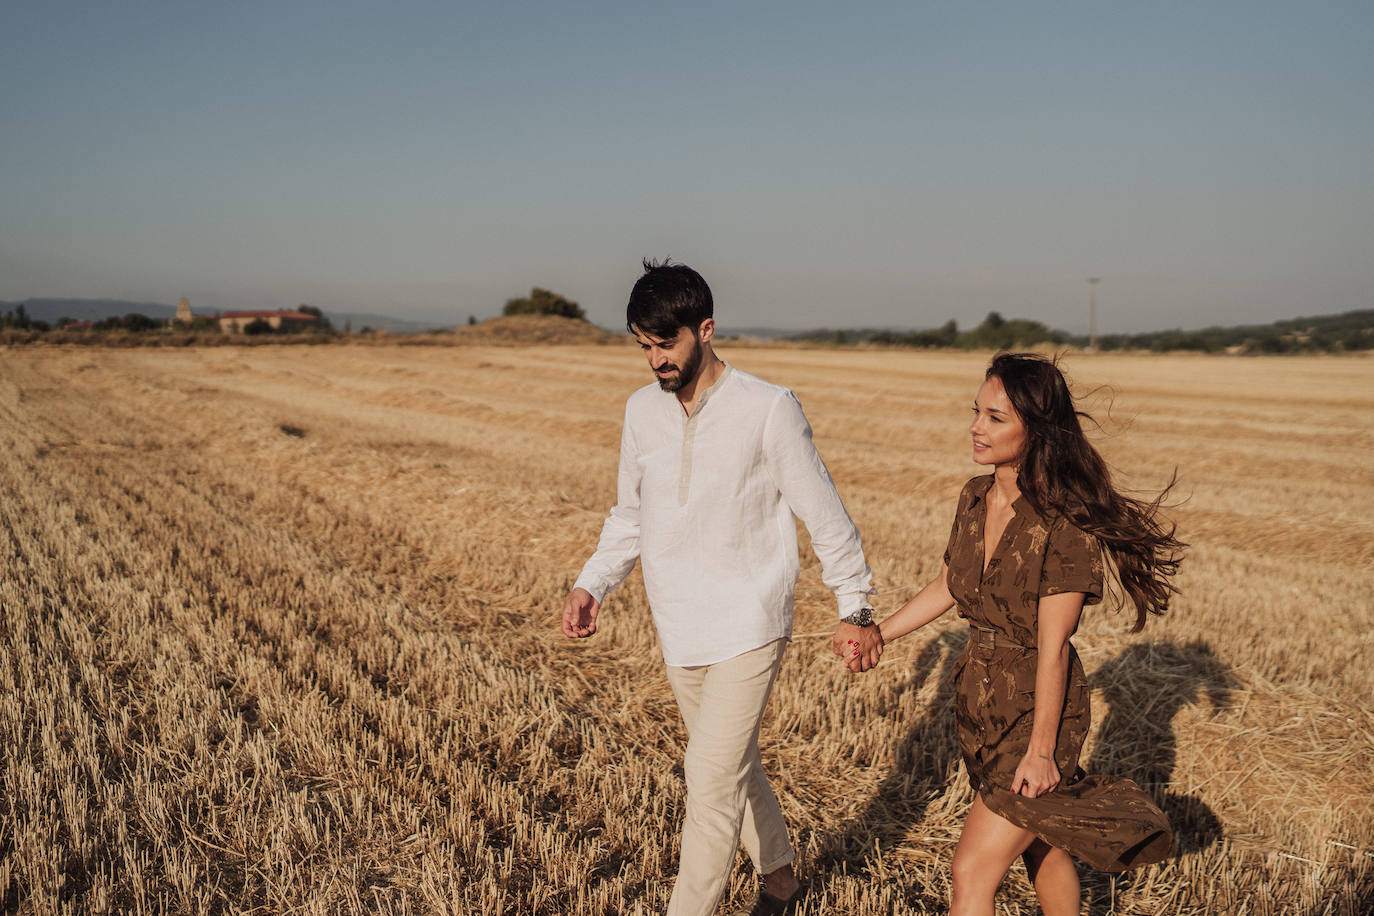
{"x":684,"y":481}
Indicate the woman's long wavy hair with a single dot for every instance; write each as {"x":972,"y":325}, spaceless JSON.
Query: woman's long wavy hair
{"x":1062,"y":473}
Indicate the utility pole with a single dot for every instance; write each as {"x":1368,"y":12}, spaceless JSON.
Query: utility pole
{"x":1092,"y":312}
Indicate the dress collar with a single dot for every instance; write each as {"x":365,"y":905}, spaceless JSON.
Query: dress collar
{"x":980,"y":494}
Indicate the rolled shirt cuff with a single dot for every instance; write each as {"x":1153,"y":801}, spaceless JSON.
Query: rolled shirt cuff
{"x":850,"y":602}
{"x":598,"y":587}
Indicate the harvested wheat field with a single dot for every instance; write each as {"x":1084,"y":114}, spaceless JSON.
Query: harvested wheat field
{"x":280,"y":636}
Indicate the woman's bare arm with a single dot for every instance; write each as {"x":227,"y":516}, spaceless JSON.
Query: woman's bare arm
{"x":928,"y":604}
{"x":1058,"y":618}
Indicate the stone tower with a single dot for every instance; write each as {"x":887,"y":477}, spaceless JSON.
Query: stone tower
{"x":183,"y":311}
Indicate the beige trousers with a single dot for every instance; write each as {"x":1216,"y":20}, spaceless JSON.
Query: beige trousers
{"x":728,"y":797}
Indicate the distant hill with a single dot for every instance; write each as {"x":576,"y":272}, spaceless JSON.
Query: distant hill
{"x":518,"y":330}
{"x":1347,"y":331}
{"x":50,"y":310}
{"x":359,"y":320}
{"x":1318,"y":333}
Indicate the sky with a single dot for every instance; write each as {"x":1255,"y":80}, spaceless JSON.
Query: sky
{"x":821,"y":164}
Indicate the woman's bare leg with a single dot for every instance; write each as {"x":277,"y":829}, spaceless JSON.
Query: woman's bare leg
{"x":1055,"y":878}
{"x":987,"y":847}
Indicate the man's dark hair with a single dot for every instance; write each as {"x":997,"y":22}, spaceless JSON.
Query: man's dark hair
{"x":668,"y":297}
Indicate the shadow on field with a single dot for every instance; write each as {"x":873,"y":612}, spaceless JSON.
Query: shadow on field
{"x":1145,"y":687}
{"x":926,"y":757}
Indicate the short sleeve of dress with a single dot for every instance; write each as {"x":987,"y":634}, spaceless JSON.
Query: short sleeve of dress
{"x":1073,"y":563}
{"x":965,"y":497}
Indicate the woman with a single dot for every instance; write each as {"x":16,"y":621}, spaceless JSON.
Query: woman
{"x":1024,"y":556}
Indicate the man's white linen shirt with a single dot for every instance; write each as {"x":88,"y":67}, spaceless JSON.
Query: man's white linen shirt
{"x":707,"y":503}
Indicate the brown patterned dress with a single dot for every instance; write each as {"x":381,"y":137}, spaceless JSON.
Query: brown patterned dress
{"x":1107,"y":822}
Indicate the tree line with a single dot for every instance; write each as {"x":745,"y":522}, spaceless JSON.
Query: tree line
{"x":994,"y":333}
{"x":1345,"y":332}
{"x":1349,"y":331}
{"x":18,"y":319}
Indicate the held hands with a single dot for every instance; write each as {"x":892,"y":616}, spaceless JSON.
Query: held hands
{"x":579,"y":614}
{"x":859,"y":647}
{"x":1035,"y":775}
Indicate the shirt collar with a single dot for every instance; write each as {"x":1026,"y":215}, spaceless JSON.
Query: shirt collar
{"x":705,"y":395}
{"x":715,"y":386}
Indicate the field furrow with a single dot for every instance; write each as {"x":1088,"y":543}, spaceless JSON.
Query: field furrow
{"x":279,"y":635}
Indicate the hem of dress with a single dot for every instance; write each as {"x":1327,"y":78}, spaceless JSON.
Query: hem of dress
{"x":1123,"y":862}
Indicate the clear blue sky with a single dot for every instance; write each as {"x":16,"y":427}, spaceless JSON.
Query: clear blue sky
{"x":875,"y":164}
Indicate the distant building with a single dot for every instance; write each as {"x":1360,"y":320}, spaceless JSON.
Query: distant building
{"x":183,"y":314}
{"x":279,"y":320}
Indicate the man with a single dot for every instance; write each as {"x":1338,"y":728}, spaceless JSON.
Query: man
{"x":713,"y":464}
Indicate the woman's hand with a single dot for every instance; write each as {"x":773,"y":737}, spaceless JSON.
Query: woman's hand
{"x":866,"y":651}
{"x":1035,"y":775}
{"x":859,"y":647}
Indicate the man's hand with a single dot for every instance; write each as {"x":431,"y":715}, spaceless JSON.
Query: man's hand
{"x":579,"y":614}
{"x":860,"y":647}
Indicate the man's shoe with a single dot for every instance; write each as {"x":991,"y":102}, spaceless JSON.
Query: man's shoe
{"x":768,"y":905}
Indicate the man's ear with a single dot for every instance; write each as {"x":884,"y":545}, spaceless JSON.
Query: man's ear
{"x":706,"y":330}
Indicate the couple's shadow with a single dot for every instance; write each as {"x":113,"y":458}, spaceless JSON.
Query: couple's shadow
{"x":1137,"y":696}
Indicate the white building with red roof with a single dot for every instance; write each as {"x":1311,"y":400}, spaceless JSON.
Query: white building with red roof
{"x":278,"y":320}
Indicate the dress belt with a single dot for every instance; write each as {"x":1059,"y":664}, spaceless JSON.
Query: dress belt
{"x":988,"y":638}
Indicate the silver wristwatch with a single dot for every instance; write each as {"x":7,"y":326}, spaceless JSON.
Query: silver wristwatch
{"x":863,"y":617}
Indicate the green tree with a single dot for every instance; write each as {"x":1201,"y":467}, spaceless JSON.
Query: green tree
{"x":257,"y":326}
{"x":543,"y":302}
{"x":997,"y":333}
{"x":138,"y":322}
{"x":323,"y":323}
{"x":19,"y":318}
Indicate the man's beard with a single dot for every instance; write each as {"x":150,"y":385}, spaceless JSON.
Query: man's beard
{"x":685,"y":373}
